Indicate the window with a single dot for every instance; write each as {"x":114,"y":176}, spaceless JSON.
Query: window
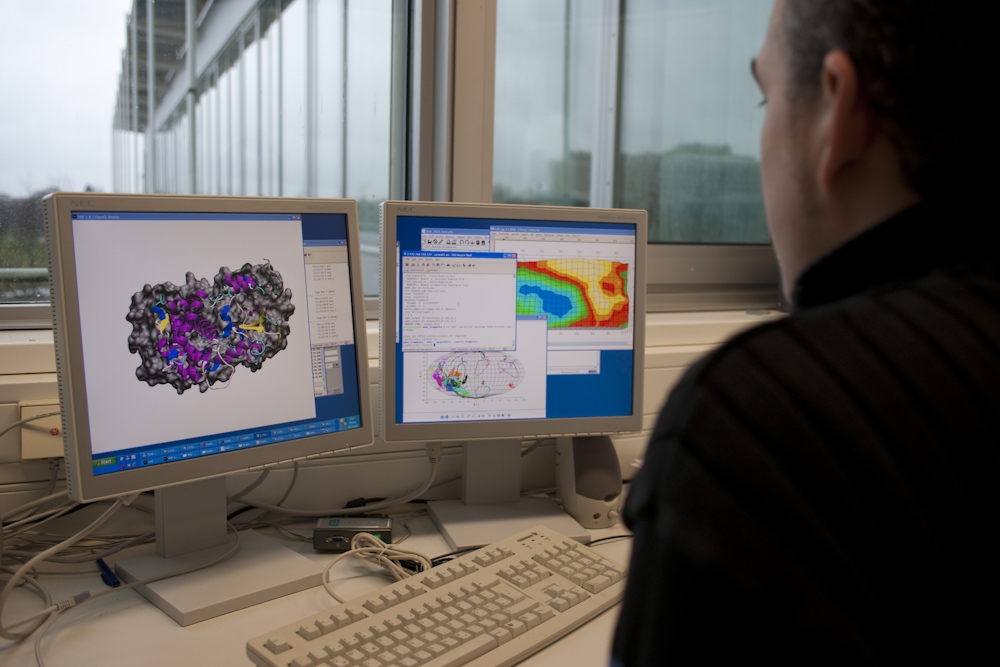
{"x":293,"y":100}
{"x":643,"y":104}
{"x":666,"y":80}
{"x":634,"y":103}
{"x":547,"y":67}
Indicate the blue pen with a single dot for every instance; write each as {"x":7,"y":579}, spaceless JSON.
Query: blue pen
{"x":107,"y":576}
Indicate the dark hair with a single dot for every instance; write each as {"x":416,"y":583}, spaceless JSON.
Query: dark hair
{"x":914,"y":58}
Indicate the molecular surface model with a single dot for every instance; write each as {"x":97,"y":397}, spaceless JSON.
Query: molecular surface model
{"x":199,"y":332}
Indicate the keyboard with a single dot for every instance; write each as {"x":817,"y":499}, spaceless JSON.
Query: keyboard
{"x":489,"y":607}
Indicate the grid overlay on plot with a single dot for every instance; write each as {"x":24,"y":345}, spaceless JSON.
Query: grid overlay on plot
{"x":575,"y":292}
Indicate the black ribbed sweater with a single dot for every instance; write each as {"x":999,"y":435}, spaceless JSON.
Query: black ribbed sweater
{"x":824,"y":489}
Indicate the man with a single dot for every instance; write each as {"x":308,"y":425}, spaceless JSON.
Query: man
{"x":824,"y":489}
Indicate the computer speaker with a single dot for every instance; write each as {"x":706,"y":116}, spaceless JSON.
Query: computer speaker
{"x":589,"y":478}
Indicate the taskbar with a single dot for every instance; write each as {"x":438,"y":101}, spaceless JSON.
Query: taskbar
{"x":169,"y":453}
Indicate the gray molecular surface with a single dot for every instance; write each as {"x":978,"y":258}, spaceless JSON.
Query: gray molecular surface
{"x":199,"y":332}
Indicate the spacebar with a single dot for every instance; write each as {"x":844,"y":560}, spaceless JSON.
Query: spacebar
{"x":465,"y":653}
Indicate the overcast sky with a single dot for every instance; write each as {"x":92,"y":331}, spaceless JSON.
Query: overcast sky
{"x":59,"y":77}
{"x":62,"y":58}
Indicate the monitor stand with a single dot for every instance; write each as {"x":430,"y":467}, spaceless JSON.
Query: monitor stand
{"x":491,"y":507}
{"x":190,"y":531}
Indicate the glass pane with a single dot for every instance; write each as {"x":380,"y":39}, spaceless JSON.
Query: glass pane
{"x":369,"y":50}
{"x":293,"y":100}
{"x":689,"y":119}
{"x":55,"y":123}
{"x":269,"y":101}
{"x":285,"y":105}
{"x":332,"y":92}
{"x":545,"y":96}
{"x":249,"y":121}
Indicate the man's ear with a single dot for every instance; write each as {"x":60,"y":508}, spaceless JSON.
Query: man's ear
{"x":847,"y":127}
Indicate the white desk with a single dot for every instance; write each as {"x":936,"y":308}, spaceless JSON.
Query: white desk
{"x":125,"y":629}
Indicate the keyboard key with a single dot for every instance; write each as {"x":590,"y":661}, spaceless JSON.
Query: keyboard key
{"x":277,"y":645}
{"x":375,"y":606}
{"x":502,"y":635}
{"x":559,"y":604}
{"x":515,"y":591}
{"x":355,"y":613}
{"x":597,"y":584}
{"x":529,"y":619}
{"x":516,"y":628}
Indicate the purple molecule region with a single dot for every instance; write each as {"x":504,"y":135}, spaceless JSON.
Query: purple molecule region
{"x":198,"y":333}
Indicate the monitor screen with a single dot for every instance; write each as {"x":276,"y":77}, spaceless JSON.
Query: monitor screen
{"x":198,"y":336}
{"x":506,"y":321}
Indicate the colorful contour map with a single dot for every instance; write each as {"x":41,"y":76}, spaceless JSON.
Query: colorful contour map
{"x":574,"y":292}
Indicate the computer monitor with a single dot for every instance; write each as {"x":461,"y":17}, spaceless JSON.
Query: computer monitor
{"x":508,"y":322}
{"x":197,"y":336}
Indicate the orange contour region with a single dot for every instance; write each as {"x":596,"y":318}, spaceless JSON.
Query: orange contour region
{"x":601,"y":283}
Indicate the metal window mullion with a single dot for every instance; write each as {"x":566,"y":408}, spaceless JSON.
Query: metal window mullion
{"x":259,"y":134}
{"x":471,"y":96}
{"x":120,"y":110}
{"x":190,"y":19}
{"x":398,"y":99}
{"x":270,"y":116}
{"x":179,"y":137}
{"x":444,"y":84}
{"x":229,"y":125}
{"x":343,"y":104}
{"x":281,"y":105}
{"x":243,"y":113}
{"x":421,"y":49}
{"x":150,"y":98}
{"x":114,"y":149}
{"x":134,"y":69}
{"x":602,"y":165}
{"x":218,"y":132}
{"x":312,"y":104}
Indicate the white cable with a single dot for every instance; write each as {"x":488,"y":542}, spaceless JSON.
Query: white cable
{"x":32,"y":503}
{"x":36,"y":520}
{"x":87,"y":597}
{"x":36,"y":587}
{"x":371,"y":548}
{"x":20,"y":574}
{"x":402,"y":500}
{"x":89,"y":553}
{"x":250,"y":487}
{"x":433,"y":452}
{"x":26,"y":420}
{"x":53,"y":474}
{"x":291,"y":484}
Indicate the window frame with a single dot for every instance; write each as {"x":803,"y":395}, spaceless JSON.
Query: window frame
{"x":441,"y":149}
{"x":681,"y":277}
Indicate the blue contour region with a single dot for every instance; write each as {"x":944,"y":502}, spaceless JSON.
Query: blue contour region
{"x":538,"y":299}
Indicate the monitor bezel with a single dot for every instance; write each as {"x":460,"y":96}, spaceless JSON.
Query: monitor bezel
{"x":82,"y":484}
{"x":522,"y":428}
